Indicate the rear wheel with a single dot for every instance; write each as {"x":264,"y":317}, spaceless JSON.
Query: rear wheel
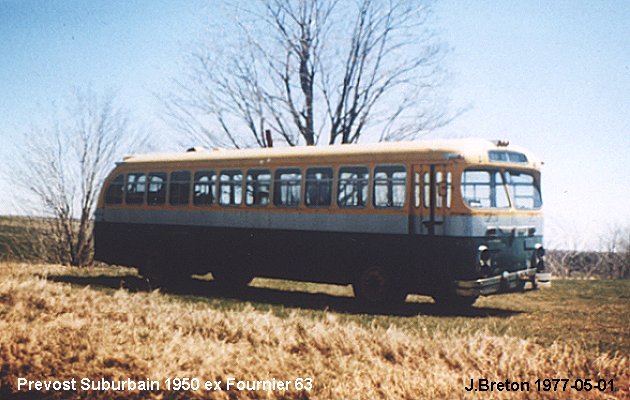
{"x":376,"y":287}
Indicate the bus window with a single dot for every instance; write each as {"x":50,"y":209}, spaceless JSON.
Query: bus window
{"x":507,"y":156}
{"x":204,"y":189}
{"x":389,"y":186}
{"x":484,"y":189}
{"x":157,"y":188}
{"x":136,"y":187}
{"x":523,"y":190}
{"x":318,"y":187}
{"x":416,"y":197}
{"x":258,"y":184}
{"x":352,"y":190}
{"x":287,"y":187}
{"x":231,"y":188}
{"x":179,"y":192}
{"x":449,"y":189}
{"x":427,"y":190}
{"x":443,"y":189}
{"x":114,"y":194}
{"x":439,"y":198}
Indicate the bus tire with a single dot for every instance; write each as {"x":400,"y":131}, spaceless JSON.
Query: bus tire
{"x":376,"y":287}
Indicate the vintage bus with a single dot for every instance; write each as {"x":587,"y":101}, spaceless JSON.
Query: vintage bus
{"x":452,"y":219}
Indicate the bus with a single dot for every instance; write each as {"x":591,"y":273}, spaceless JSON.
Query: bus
{"x":451,"y":219}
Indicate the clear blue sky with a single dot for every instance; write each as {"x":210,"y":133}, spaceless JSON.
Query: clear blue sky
{"x":553,"y":76}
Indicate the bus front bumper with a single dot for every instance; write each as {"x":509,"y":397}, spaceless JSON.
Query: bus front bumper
{"x":525,"y":279}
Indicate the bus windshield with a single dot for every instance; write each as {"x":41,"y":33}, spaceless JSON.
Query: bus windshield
{"x":490,"y":189}
{"x":523,"y":190}
{"x":484,"y":189}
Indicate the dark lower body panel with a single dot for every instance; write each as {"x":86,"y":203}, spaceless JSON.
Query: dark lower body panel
{"x":425,"y":264}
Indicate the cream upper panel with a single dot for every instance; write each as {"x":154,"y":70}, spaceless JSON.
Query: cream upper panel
{"x":471,"y":150}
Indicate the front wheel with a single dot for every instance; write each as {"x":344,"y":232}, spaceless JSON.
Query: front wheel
{"x":377,"y":287}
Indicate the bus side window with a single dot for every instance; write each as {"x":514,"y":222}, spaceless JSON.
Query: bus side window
{"x":352,"y":190}
{"x":179,"y":187}
{"x":136,"y":187}
{"x":258,"y":184}
{"x":230,"y":188}
{"x":115,"y":191}
{"x":157,"y":188}
{"x":389,"y":186}
{"x":318,"y":187}
{"x":204,"y":188}
{"x":287,"y":187}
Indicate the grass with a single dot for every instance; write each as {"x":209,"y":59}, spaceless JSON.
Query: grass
{"x":9,"y":231}
{"x":596,"y":312}
{"x":60,"y":322}
{"x":24,"y":238}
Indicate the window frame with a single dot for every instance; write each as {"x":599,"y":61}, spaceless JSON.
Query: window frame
{"x":390,"y":185}
{"x":511,"y":188}
{"x":320,"y":183}
{"x":277,"y":186}
{"x":141,"y":199}
{"x":165,"y":186}
{"x":443,"y":179}
{"x":507,"y":156}
{"x":366,"y":188}
{"x":255,"y":183}
{"x":426,"y":189}
{"x":122,"y":190}
{"x":492,"y":173}
{"x":231,"y":172}
{"x":212,"y":187}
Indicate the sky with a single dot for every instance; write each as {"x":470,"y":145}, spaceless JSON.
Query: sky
{"x":552,"y":76}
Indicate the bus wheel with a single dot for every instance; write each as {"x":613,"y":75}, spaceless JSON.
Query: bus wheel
{"x":376,"y":287}
{"x":454,"y":302}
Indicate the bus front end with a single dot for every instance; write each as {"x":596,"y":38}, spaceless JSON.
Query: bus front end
{"x":499,"y":226}
{"x":510,"y":260}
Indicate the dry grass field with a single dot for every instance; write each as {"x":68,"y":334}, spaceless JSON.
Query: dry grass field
{"x":106,"y":323}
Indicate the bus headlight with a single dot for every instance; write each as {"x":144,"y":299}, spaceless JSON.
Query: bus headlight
{"x":484,"y":256}
{"x":539,"y":257}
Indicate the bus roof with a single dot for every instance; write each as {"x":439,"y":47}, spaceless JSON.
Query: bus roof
{"x":472,"y":150}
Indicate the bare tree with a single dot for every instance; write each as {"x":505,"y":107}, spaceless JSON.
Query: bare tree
{"x":572,"y":254}
{"x":616,"y":250}
{"x":302,"y":68}
{"x":62,"y":165}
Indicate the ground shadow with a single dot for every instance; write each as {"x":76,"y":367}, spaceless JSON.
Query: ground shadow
{"x":297,"y":299}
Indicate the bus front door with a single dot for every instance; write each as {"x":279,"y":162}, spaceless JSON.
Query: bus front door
{"x":441,"y":197}
{"x":431,"y":196}
{"x":418,"y":211}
